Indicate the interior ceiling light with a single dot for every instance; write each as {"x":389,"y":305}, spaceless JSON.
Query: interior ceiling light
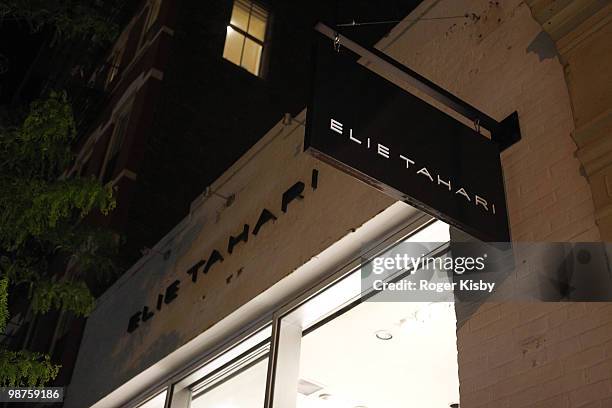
{"x":383,"y":335}
{"x":325,"y":396}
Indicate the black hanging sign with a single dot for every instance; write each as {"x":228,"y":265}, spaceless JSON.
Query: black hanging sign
{"x":383,"y":135}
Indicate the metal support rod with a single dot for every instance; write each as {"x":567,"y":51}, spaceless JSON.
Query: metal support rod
{"x":414,"y":79}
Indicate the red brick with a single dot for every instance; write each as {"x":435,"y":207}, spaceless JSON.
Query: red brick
{"x":475,"y":398}
{"x":608,"y":349}
{"x":501,"y":357}
{"x":576,"y":310}
{"x":557,"y":387}
{"x":584,"y":359}
{"x":505,"y":403}
{"x":474,"y":368}
{"x":605,"y":313}
{"x":596,"y":336}
{"x":560,"y":401}
{"x":483,"y":318}
{"x":577,"y":326}
{"x":533,"y":328}
{"x":593,"y":404}
{"x":536,"y":310}
{"x":558,"y":317}
{"x":562,"y":349}
{"x":599,"y":372}
{"x":501,"y":329}
{"x":592,"y":392}
{"x":527,"y":379}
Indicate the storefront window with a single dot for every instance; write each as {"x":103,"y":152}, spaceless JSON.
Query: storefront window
{"x":242,"y":387}
{"x":343,"y":348}
{"x":339,"y":345}
{"x":235,"y":378}
{"x":157,"y":401}
{"x":374,"y":356}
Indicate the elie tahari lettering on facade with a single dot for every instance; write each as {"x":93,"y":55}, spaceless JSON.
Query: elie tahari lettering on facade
{"x":204,"y":265}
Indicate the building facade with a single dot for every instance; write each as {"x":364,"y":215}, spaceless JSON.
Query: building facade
{"x":170,"y":78}
{"x":184,"y":91}
{"x":253,"y":290}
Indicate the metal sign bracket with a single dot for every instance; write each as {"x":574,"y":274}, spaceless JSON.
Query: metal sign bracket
{"x":504,"y":133}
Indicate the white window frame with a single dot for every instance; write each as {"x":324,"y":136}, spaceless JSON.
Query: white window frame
{"x":153,"y":8}
{"x":124,"y":111}
{"x":114,"y":72}
{"x":179,"y":383}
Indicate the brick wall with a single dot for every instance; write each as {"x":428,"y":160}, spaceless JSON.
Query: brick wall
{"x":499,"y":59}
{"x":582,"y":31}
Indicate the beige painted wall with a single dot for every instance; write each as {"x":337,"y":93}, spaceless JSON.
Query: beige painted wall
{"x":582,"y":31}
{"x":338,"y":206}
{"x":520,"y":355}
{"x":509,"y":355}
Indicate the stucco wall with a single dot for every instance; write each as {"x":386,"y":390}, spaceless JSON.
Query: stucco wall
{"x":510,"y":355}
{"x":582,"y":31}
{"x":500,"y":60}
{"x":339,"y":205}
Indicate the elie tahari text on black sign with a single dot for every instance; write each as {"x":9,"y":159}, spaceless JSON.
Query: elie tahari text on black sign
{"x":204,"y":265}
{"x":370,"y":128}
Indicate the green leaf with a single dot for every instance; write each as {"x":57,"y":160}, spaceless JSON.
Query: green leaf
{"x":25,"y":369}
{"x":33,"y":208}
{"x":4,"y":313}
{"x":70,"y":296}
{"x":40,"y":225}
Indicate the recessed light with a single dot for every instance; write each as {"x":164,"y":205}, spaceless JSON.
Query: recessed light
{"x":383,"y":335}
{"x":325,"y":396}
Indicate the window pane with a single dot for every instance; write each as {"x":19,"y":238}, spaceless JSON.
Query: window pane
{"x":233,"y":46}
{"x":375,"y":354}
{"x":415,"y":367}
{"x":251,"y":56}
{"x":234,"y":379}
{"x":245,"y":389}
{"x":155,"y":402}
{"x":257,"y":25}
{"x":240,"y":14}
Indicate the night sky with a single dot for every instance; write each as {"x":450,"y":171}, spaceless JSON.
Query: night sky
{"x":20,"y":46}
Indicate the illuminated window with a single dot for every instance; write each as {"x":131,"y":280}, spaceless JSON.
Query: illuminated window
{"x":156,"y":402}
{"x":338,"y":350}
{"x":246,"y":33}
{"x":234,"y":379}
